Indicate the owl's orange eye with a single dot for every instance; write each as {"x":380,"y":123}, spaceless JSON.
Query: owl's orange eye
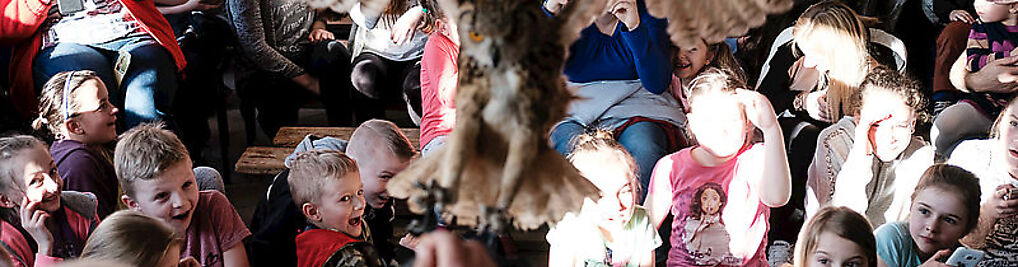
{"x":476,"y":37}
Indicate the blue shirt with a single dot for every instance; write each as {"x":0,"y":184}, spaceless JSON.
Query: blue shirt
{"x":895,"y":245}
{"x":642,"y":53}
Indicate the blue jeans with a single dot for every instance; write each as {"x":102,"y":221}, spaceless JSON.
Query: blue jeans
{"x":645,"y":141}
{"x":147,"y":88}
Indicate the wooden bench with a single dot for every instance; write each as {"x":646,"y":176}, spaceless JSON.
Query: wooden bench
{"x":268,"y":160}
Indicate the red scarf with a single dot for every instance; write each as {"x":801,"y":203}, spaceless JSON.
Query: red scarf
{"x":315,"y":246}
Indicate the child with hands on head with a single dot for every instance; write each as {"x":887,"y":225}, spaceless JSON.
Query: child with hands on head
{"x":327,"y":188}
{"x":155,"y":173}
{"x":720,"y":191}
{"x":40,"y":224}
{"x":75,"y":108}
{"x":136,"y":239}
{"x":836,"y":236}
{"x":613,"y":225}
{"x":884,"y":157}
{"x":995,"y":162}
{"x":945,"y":207}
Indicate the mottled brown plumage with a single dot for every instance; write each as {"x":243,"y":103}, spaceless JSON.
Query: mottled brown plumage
{"x":497,"y":161}
{"x":713,"y":20}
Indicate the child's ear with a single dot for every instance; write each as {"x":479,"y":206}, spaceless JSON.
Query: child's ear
{"x":74,"y":127}
{"x":311,"y":212}
{"x":129,"y":202}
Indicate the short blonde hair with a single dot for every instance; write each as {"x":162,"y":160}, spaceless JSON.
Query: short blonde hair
{"x":395,"y":141}
{"x":310,"y":170}
{"x":145,"y":151}
{"x":130,"y":237}
{"x":841,"y":221}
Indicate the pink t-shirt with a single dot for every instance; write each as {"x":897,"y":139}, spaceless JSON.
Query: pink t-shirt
{"x":719,"y":219}
{"x":215,"y":228}
{"x":438,"y":87}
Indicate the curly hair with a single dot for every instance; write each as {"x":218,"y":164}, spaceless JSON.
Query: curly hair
{"x":887,"y":80}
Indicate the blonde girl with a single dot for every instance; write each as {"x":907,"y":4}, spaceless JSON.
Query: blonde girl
{"x":836,"y":236}
{"x":136,"y":239}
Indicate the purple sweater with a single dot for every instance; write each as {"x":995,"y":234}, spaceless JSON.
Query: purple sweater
{"x":84,"y":169}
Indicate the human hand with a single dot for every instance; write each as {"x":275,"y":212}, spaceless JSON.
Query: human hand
{"x":934,"y":261}
{"x":961,"y":15}
{"x":406,"y":26}
{"x":308,"y":82}
{"x":188,"y":262}
{"x":625,"y":11}
{"x":997,"y":207}
{"x":441,"y":248}
{"x":34,"y":221}
{"x":318,"y":35}
{"x":867,"y":122}
{"x":409,"y":241}
{"x":554,"y":6}
{"x":816,"y":106}
{"x":758,"y":109}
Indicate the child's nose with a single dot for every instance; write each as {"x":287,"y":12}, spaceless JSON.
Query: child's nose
{"x":358,"y":203}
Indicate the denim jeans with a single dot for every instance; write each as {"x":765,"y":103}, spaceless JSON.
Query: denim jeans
{"x":645,"y":141}
{"x":147,"y":88}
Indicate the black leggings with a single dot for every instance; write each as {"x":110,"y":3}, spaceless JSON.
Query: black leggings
{"x":377,"y":79}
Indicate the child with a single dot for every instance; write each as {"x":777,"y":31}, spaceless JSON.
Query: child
{"x":993,"y":37}
{"x":689,"y":62}
{"x":326,"y":186}
{"x":75,"y":107}
{"x":40,"y":224}
{"x":615,"y":230}
{"x":995,"y":162}
{"x":945,"y":207}
{"x":136,"y":239}
{"x":836,"y":236}
{"x":720,"y":190}
{"x":155,"y":173}
{"x":439,"y":78}
{"x":884,"y":159}
{"x":381,"y":151}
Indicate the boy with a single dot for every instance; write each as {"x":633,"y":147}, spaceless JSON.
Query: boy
{"x":155,"y":173}
{"x":380,"y":150}
{"x":326,"y":187}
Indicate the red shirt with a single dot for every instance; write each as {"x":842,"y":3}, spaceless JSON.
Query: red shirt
{"x":439,"y":77}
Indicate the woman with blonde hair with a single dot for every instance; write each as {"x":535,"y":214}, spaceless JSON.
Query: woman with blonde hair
{"x":131,"y":237}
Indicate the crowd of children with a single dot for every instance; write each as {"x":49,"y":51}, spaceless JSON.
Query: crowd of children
{"x":836,"y":157}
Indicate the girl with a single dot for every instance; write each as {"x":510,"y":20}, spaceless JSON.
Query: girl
{"x":132,"y":238}
{"x":689,"y":62}
{"x":439,"y":77}
{"x":614,"y":231}
{"x":735,"y":181}
{"x":836,"y":236}
{"x":883,"y":157}
{"x":945,"y":207}
{"x":75,"y":108}
{"x":387,"y":50}
{"x":40,"y":224}
{"x":995,"y":162}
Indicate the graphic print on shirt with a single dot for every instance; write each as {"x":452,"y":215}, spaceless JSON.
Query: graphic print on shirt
{"x":705,"y":236}
{"x":1002,"y":244}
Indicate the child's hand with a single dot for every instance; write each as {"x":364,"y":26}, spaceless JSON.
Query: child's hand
{"x":997,"y":207}
{"x":935,"y":261}
{"x":625,"y":11}
{"x":867,"y":121}
{"x":816,"y":106}
{"x":34,"y":221}
{"x":441,"y":248}
{"x":553,"y":6}
{"x":318,"y":35}
{"x":406,"y":26}
{"x":961,"y":15}
{"x":758,"y":109}
{"x":188,"y":262}
{"x":409,"y":241}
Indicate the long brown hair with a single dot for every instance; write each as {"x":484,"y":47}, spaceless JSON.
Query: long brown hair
{"x":841,"y":221}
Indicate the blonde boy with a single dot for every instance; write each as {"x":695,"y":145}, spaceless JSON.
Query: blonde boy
{"x":154,"y":170}
{"x":327,"y":189}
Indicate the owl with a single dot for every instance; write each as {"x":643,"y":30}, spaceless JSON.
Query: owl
{"x":496,"y":167}
{"x":713,"y":20}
